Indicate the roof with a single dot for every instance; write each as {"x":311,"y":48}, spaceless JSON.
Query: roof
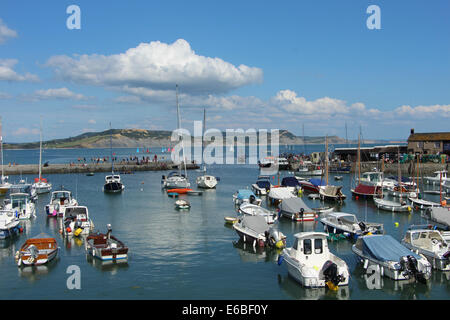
{"x":431,"y":136}
{"x":310,"y":234}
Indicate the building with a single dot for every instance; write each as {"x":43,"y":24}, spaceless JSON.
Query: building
{"x":370,"y":153}
{"x":429,"y":143}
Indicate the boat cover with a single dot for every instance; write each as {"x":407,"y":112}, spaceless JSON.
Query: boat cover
{"x":331,"y":190}
{"x":365,"y":189}
{"x":294,"y":205}
{"x":263,"y":184}
{"x":255,"y":223}
{"x":245,"y":194}
{"x":385,"y":248}
{"x":289,"y":182}
{"x":440,"y":215}
{"x":317,"y":182}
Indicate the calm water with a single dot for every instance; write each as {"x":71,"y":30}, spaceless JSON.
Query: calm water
{"x":190,"y":254}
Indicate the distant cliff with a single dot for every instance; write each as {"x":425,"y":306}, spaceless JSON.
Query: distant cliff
{"x":137,"y":138}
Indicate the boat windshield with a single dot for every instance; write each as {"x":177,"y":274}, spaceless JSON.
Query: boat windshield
{"x":60,"y":194}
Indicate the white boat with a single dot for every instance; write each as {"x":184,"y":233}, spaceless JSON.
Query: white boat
{"x":205,"y":181}
{"x":305,"y":171}
{"x":58,"y":202}
{"x":440,"y":215}
{"x":245,"y":196}
{"x":37,"y":251}
{"x":175,"y":180}
{"x":278,"y":194}
{"x":41,"y":185}
{"x":430,"y":243}
{"x":106,"y":247}
{"x":393,"y":206}
{"x":348,"y":225}
{"x":376,"y":178}
{"x":182,"y":204}
{"x":296,"y":210}
{"x":391,"y":258}
{"x":271,"y":161}
{"x":9,"y":224}
{"x":22,"y":204}
{"x":255,"y":210}
{"x":113,"y":183}
{"x":310,"y":262}
{"x":262,"y":185}
{"x":255,"y":230}
{"x":76,"y":221}
{"x":423,"y":204}
{"x":24,"y":187}
{"x":332,"y":193}
{"x":440,"y":177}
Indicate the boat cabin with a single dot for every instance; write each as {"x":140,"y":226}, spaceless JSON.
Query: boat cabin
{"x":372,"y":177}
{"x":61,"y":197}
{"x":312,"y":246}
{"x":19,"y":201}
{"x":112,"y":178}
{"x":425,"y":238}
{"x":79,"y":213}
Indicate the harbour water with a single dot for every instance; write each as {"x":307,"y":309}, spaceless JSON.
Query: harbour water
{"x":187,"y":254}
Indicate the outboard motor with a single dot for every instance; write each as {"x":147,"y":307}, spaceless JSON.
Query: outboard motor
{"x":362,"y":225}
{"x":330,"y":272}
{"x":302,"y":211}
{"x":252,"y":199}
{"x":34,"y":253}
{"x":409,"y":266}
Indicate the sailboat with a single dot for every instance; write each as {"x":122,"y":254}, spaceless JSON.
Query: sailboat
{"x":4,"y":184}
{"x":330,"y":192}
{"x":113,"y":184}
{"x":418,"y":202}
{"x":205,"y":181}
{"x":177,"y":179}
{"x":41,"y":185}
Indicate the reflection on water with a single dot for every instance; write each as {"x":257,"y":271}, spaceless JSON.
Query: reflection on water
{"x":248,"y":253}
{"x":109,"y":265}
{"x":35,"y":273}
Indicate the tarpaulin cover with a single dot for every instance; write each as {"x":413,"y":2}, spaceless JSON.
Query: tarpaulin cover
{"x":293,"y":205}
{"x":385,"y":248}
{"x":289,"y":182}
{"x":317,"y":182}
{"x":245,"y":194}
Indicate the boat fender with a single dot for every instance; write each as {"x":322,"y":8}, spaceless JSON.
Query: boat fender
{"x":280,"y":260}
{"x":366,"y":263}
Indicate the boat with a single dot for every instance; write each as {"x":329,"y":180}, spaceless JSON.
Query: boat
{"x":278,"y":194}
{"x":231,"y":220}
{"x":330,"y":192}
{"x":422,"y":204}
{"x":305,"y":171}
{"x":391,"y":258}
{"x":22,"y":204}
{"x":58,"y":202}
{"x":337,"y":177}
{"x":9,"y":224}
{"x":365,"y":191}
{"x":194,"y":192}
{"x":429,"y":242}
{"x":262,"y":186}
{"x":105,"y":246}
{"x":440,"y":177}
{"x":113,"y":183}
{"x":245,"y":196}
{"x":179,"y":190}
{"x":41,"y":185}
{"x":23,"y":187}
{"x":4,"y":184}
{"x":255,"y":210}
{"x":76,"y":221}
{"x":255,"y":230}
{"x":393,"y":206}
{"x":268,"y":162}
{"x":348,"y":225}
{"x":296,"y":210}
{"x":323,"y":210}
{"x":174,"y":180}
{"x":37,"y":251}
{"x":440,"y":215}
{"x":312,"y":185}
{"x":205,"y":181}
{"x":291,"y":183}
{"x":310,"y":262}
{"x":182,"y":204}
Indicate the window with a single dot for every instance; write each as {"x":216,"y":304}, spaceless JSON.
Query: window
{"x":437,"y":145}
{"x":307,"y":246}
{"x":295,"y":244}
{"x":318,"y":246}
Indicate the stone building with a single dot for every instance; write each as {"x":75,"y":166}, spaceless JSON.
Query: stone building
{"x":429,"y":143}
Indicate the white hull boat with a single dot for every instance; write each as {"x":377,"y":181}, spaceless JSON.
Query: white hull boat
{"x":76,"y":221}
{"x":310,"y":262}
{"x":440,"y":177}
{"x":58,"y":203}
{"x":21,"y":203}
{"x":348,"y":225}
{"x":245,"y":196}
{"x":278,"y":194}
{"x":255,"y":230}
{"x":255,"y":210}
{"x":206,"y":182}
{"x":9,"y":224}
{"x":392,"y":206}
{"x":423,"y":204}
{"x":296,"y":210}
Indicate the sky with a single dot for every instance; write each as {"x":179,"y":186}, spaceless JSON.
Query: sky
{"x":311,"y":67}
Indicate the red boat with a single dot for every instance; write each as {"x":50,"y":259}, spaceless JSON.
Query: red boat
{"x":179,"y":190}
{"x":365,"y":191}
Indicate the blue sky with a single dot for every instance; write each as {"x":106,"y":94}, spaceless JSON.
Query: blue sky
{"x":251,"y":64}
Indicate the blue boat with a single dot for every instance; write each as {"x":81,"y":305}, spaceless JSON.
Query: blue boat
{"x":245,"y":195}
{"x":9,"y":224}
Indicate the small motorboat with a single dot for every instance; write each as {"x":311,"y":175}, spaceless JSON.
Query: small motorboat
{"x":206,"y":181}
{"x":312,"y":185}
{"x":255,"y":230}
{"x":310,"y":262}
{"x":429,"y":242}
{"x":332,"y":193}
{"x":306,"y":171}
{"x":337,"y":177}
{"x":392,"y":206}
{"x":296,"y":210}
{"x":22,"y":204}
{"x":172,"y":194}
{"x":323,"y":210}
{"x":37,"y":251}
{"x":182,"y":204}
{"x":58,"y":202}
{"x":278,"y":194}
{"x":76,"y":221}
{"x":105,"y":246}
{"x":113,"y":184}
{"x":391,"y":258}
{"x":348,"y":225}
{"x":9,"y":224}
{"x":194,"y":193}
{"x":245,"y":196}
{"x":175,"y":180}
{"x":231,"y":220}
{"x":262,"y":186}
{"x":440,"y":177}
{"x":255,"y":210}
{"x":291,"y":183}
{"x":179,"y":190}
{"x":423,"y":204}
{"x":90,"y":174}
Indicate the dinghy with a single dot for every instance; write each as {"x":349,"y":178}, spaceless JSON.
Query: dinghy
{"x":105,"y":246}
{"x":392,"y":206}
{"x":348,"y":225}
{"x":37,"y":251}
{"x":255,"y":230}
{"x":296,"y":210}
{"x":182,"y":204}
{"x":255,"y":210}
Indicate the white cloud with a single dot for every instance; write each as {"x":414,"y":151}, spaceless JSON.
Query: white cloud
{"x":4,"y":95}
{"x":5,"y":32}
{"x":60,"y":93}
{"x":156,"y":66}
{"x":25,"y":131}
{"x":8,"y":74}
{"x":424,"y":111}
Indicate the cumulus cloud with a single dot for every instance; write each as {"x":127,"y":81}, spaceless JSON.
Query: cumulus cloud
{"x":60,"y":93}
{"x":4,"y":95}
{"x":8,"y":74}
{"x":424,"y":111}
{"x":25,"y":131}
{"x":5,"y":32}
{"x":156,"y":66}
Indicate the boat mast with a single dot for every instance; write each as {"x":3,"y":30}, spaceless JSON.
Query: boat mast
{"x":179,"y":127}
{"x":203,"y":137}
{"x":326,"y":159}
{"x":110,"y":147}
{"x":40,"y":152}
{"x":399,"y":173}
{"x":359,"y":158}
